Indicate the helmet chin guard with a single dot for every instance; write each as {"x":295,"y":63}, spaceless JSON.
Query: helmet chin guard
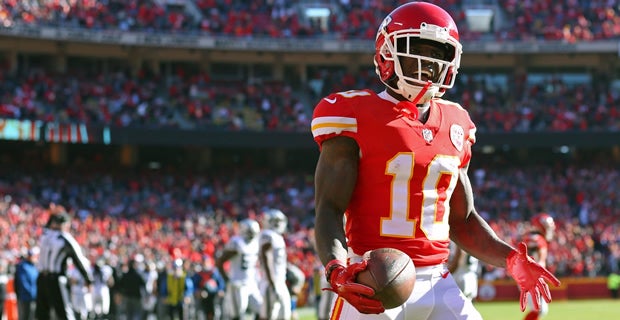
{"x":416,"y":94}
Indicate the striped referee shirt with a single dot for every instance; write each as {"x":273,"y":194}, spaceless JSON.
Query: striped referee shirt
{"x":56,"y":248}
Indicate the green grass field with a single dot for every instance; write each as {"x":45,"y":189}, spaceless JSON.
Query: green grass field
{"x":605,"y":309}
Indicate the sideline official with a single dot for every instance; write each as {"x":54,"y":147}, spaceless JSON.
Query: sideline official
{"x":57,"y":245}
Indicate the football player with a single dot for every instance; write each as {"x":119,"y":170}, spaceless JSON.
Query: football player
{"x":395,"y":164}
{"x":273,"y":262}
{"x":537,"y":240}
{"x":465,"y":269}
{"x":242,"y":293}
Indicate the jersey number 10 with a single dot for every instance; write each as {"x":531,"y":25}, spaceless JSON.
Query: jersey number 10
{"x":437,"y":187}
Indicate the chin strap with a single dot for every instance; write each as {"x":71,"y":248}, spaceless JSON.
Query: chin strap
{"x":409,"y":109}
{"x":422,"y":92}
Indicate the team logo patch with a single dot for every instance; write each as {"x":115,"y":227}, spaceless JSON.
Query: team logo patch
{"x":457,"y":136}
{"x":427,"y":134}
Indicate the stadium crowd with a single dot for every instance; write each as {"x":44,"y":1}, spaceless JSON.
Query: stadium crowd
{"x":121,"y":214}
{"x":514,"y":20}
{"x":190,"y":100}
{"x":161,"y":217}
{"x":185,"y":101}
{"x":179,"y":100}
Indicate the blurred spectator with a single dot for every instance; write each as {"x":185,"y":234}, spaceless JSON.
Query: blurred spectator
{"x":103,"y":280}
{"x":4,"y":280}
{"x":149,"y":298}
{"x":26,"y":274}
{"x":81,"y":293}
{"x":115,"y":289}
{"x":209,"y":289}
{"x":613,"y":284}
{"x":162,"y":290}
{"x":132,"y":285}
{"x":179,"y":290}
{"x":322,"y":298}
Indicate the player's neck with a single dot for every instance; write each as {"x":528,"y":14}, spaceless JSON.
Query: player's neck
{"x":424,"y":111}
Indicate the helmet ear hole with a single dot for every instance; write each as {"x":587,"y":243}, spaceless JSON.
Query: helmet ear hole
{"x":384,"y":67}
{"x":388,"y":71}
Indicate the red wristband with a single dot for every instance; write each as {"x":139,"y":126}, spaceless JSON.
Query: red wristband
{"x":330,"y":266}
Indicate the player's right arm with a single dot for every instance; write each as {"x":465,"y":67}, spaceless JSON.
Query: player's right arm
{"x":335,"y":177}
{"x":334,"y":126}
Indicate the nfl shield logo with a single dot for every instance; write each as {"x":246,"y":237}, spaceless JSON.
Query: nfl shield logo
{"x":427,"y":134}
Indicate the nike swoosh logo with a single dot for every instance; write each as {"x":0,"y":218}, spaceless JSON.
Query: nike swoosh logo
{"x":332,"y":101}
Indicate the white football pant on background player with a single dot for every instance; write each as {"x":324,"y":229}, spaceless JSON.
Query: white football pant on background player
{"x":242,"y":293}
{"x":277,"y":299}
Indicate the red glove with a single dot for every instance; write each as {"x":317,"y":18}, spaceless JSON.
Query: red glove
{"x":342,"y":281}
{"x":530,"y":276}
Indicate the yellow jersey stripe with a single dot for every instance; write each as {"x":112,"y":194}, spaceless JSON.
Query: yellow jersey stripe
{"x":337,"y":310}
{"x":329,"y":125}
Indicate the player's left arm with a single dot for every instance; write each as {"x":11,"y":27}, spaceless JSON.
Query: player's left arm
{"x":469,"y":231}
{"x":473,"y":234}
{"x":335,"y":178}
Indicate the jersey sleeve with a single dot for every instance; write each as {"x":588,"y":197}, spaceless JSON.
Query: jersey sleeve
{"x":232,"y":245}
{"x":470,"y":137}
{"x":265,"y":237}
{"x":535,"y":242}
{"x":333,"y":116}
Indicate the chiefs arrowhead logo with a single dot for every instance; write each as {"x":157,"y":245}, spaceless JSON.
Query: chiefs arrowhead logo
{"x":457,"y":136}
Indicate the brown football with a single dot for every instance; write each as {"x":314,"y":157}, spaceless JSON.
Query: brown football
{"x":391,"y":273}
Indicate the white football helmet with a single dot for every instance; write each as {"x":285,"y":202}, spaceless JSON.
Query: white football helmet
{"x":249,"y":229}
{"x":275,"y":220}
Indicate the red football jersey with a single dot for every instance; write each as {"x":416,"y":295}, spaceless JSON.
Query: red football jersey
{"x":535,"y":243}
{"x":407,"y":171}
